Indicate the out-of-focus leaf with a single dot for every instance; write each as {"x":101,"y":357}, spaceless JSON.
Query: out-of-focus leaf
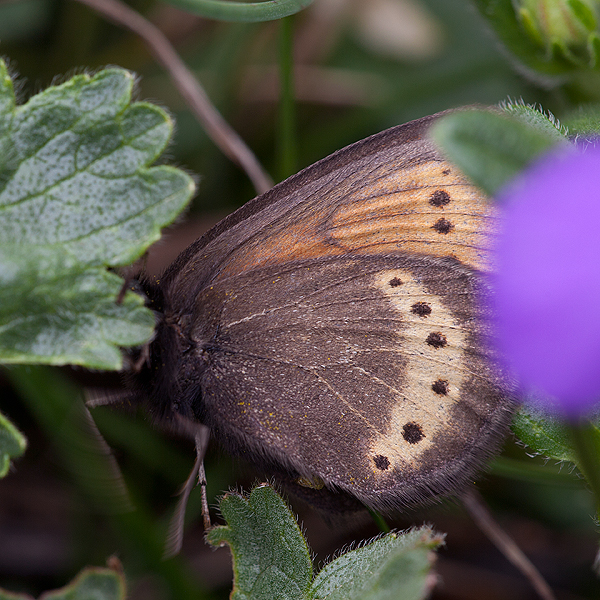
{"x":4,"y":595}
{"x":247,"y":12}
{"x":57,"y":405}
{"x":24,"y":19}
{"x":554,"y":55}
{"x":490,"y":147}
{"x":584,"y":121}
{"x":93,"y":583}
{"x":12,"y":444}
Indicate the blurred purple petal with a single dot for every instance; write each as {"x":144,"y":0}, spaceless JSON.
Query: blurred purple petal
{"x":548,"y":279}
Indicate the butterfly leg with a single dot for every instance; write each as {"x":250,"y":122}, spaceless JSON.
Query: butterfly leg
{"x":197,"y":476}
{"x":202,"y":438}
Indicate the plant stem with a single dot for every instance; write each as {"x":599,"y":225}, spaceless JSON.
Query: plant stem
{"x":287,"y":102}
{"x":379,"y":521}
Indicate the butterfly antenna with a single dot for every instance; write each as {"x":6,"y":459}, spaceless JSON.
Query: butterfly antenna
{"x":103,"y":475}
{"x":196,"y":477}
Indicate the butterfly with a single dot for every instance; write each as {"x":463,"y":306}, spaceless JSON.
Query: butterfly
{"x":332,"y":331}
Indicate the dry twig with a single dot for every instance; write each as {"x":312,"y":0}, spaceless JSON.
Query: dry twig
{"x":479,"y":512}
{"x":217,"y":128}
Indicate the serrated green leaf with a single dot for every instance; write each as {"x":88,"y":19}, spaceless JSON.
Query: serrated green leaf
{"x":270,"y":555}
{"x":93,"y":583}
{"x":80,"y":176}
{"x":396,"y":565}
{"x":77,"y":195}
{"x":54,"y":310}
{"x":271,"y":558}
{"x":490,"y":147}
{"x":12,"y":444}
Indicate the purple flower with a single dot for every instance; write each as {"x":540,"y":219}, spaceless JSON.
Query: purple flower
{"x":547,"y":286}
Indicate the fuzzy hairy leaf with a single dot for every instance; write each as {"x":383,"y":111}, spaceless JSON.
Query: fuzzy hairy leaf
{"x":396,"y":565}
{"x":270,"y":555}
{"x":271,"y":558}
{"x":78,"y":195}
{"x":492,"y":148}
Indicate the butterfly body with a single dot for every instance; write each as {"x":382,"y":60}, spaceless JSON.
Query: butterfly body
{"x":332,"y":330}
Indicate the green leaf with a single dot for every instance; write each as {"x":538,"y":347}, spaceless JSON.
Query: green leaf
{"x":12,"y":444}
{"x":54,"y":310}
{"x":393,"y":566}
{"x":594,"y":50}
{"x":584,"y":121}
{"x":578,"y":443}
{"x":270,"y":555}
{"x":77,"y":195}
{"x":543,"y":433}
{"x":550,"y":436}
{"x":490,"y":147}
{"x":93,"y":583}
{"x":535,"y":118}
{"x":247,"y":12}
{"x":271,"y":558}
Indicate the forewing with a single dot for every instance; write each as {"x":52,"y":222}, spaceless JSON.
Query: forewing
{"x":391,"y":192}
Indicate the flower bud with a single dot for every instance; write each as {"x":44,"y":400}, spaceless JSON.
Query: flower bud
{"x":566,"y":27}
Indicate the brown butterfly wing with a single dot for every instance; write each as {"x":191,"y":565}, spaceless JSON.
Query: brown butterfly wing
{"x":367,"y":373}
{"x":331,"y":327}
{"x":391,"y":192}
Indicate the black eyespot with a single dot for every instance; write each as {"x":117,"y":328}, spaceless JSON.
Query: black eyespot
{"x":440,"y":198}
{"x":382,"y":462}
{"x":440,"y":387}
{"x":443,"y":226}
{"x":395,"y":282}
{"x":412,"y":433}
{"x":422,"y":309}
{"x":437,"y":339}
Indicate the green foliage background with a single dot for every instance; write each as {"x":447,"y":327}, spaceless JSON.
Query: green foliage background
{"x":58,"y":510}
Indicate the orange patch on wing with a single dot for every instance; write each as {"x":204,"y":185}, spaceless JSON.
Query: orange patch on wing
{"x":398,"y":215}
{"x":390,"y":211}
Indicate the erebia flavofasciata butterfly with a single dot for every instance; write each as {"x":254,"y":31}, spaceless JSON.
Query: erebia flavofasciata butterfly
{"x":332,"y":330}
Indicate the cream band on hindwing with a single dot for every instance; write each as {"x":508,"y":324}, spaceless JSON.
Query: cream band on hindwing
{"x":432,"y":342}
